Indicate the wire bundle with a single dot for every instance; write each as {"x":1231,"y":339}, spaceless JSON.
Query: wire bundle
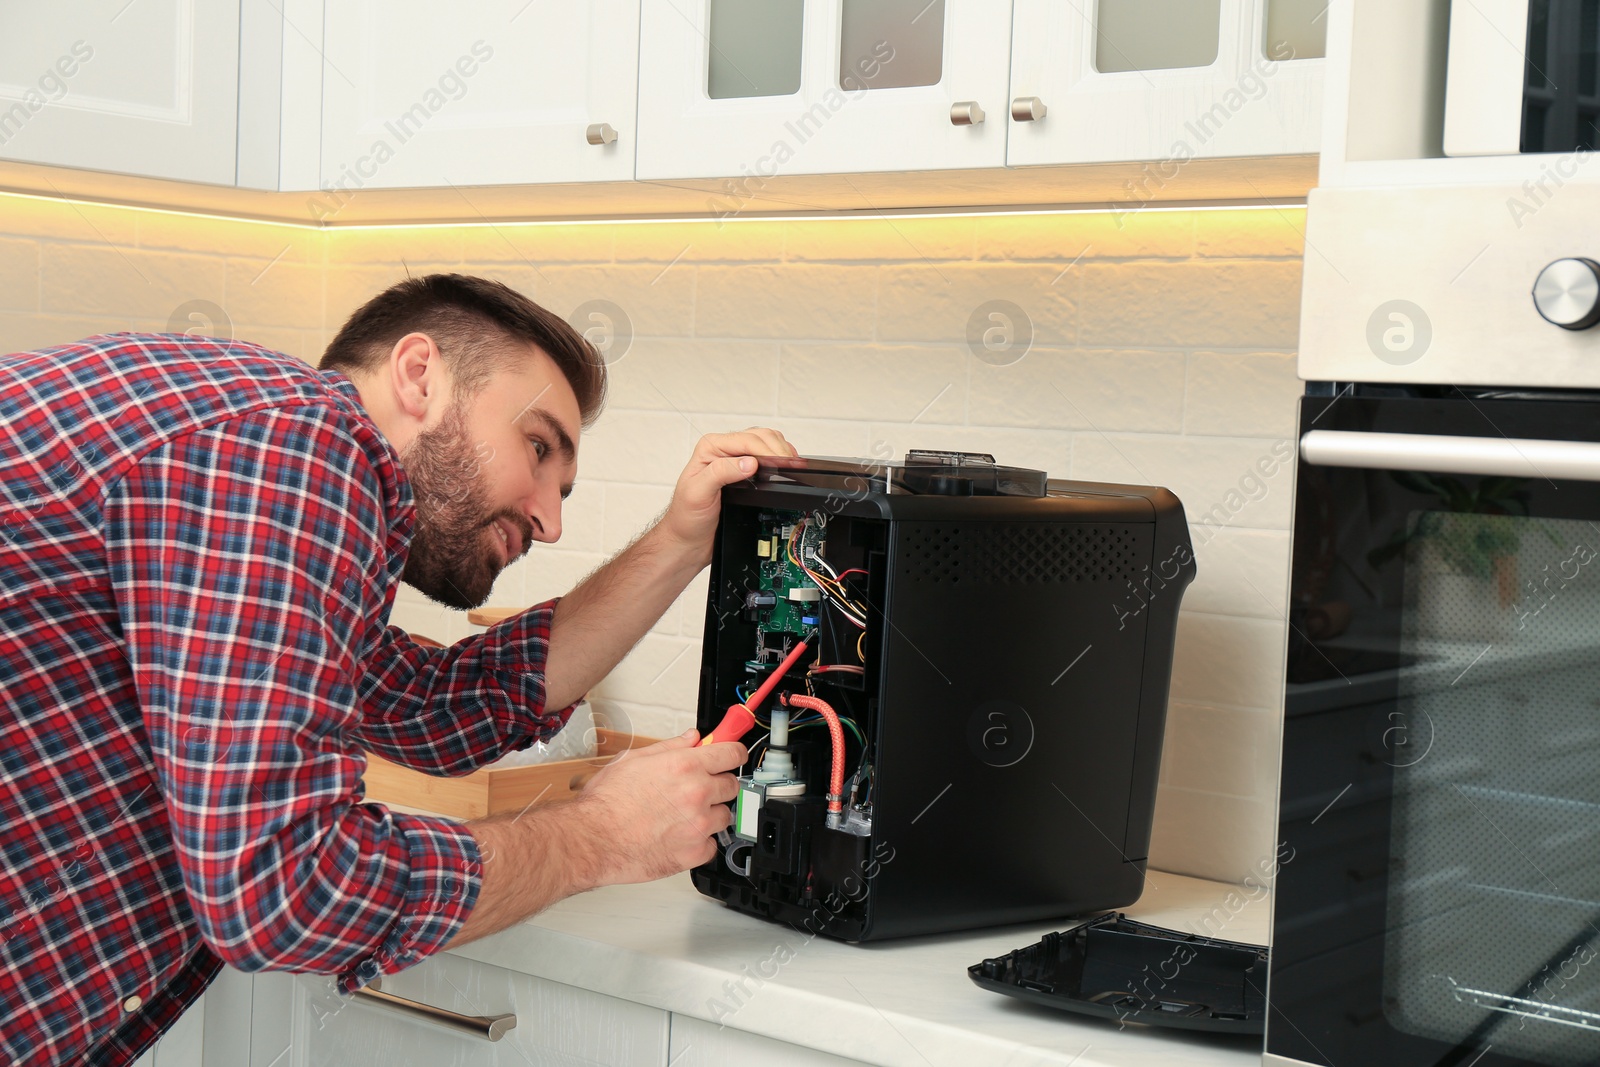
{"x":831,"y":583}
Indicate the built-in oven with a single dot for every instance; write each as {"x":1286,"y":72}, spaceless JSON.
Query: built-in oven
{"x":1438,"y":885}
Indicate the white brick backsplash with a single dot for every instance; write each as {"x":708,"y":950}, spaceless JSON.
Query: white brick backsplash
{"x":1223,"y":659}
{"x":106,"y":280}
{"x":1221,"y":750}
{"x":899,"y":382}
{"x":548,"y":572}
{"x":1170,"y":334}
{"x":1240,"y":572}
{"x":1211,"y":835}
{"x":790,"y":301}
{"x":1217,"y":479}
{"x":1241,"y":395}
{"x":1197,"y":303}
{"x":660,"y":670}
{"x":642,"y":446}
{"x":655,"y":301}
{"x":815,"y":437}
{"x":1081,"y":389}
{"x":936,"y":302}
{"x":676,"y":374}
{"x":629,"y":509}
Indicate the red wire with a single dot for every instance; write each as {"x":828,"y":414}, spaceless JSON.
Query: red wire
{"x":836,"y":777}
{"x":852,"y":570}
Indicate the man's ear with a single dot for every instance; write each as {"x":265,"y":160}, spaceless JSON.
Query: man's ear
{"x":418,"y":377}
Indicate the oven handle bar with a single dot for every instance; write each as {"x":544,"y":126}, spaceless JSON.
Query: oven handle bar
{"x":1444,"y":454}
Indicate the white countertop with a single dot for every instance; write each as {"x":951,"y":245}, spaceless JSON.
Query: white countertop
{"x":905,"y":1001}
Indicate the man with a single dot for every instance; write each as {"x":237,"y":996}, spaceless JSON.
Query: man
{"x":199,"y":550}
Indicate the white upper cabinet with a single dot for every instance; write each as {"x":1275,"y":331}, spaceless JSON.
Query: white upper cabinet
{"x":750,"y":89}
{"x":493,"y":92}
{"x":148,"y":87}
{"x":1165,"y":80}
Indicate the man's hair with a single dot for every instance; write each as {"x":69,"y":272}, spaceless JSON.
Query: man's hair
{"x":481,"y":328}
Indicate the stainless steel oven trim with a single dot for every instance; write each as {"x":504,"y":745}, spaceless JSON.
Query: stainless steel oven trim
{"x":1445,"y":454}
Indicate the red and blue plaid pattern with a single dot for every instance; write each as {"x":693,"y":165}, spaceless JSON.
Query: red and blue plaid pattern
{"x":200,"y":543}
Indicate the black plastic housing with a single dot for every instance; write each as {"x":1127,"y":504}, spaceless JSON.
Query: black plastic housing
{"x":1018,"y":655}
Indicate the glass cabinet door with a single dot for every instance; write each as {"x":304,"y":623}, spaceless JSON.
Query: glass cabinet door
{"x":1165,"y":81}
{"x":748,"y":90}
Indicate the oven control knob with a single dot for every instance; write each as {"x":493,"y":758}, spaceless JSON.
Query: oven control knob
{"x":1567,"y":293}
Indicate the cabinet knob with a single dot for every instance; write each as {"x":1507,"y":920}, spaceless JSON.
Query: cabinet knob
{"x":1028,"y":109}
{"x":1567,"y":293}
{"x":966,"y":113}
{"x":600,"y":133}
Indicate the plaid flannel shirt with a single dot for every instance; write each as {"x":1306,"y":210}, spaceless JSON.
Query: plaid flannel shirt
{"x":200,"y":544}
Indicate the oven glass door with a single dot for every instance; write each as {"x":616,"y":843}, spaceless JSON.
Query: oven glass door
{"x":1438,"y":881}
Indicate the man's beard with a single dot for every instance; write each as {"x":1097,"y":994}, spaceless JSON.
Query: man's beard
{"x":449,"y":562}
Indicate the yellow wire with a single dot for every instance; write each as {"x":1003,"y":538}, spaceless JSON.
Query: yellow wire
{"x":861,"y":652}
{"x":821,"y":579}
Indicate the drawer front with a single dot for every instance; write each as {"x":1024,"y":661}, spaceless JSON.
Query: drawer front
{"x":697,"y":1043}
{"x":557,"y":1025}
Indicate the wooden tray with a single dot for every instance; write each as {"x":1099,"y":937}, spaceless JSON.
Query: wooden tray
{"x":493,"y":789}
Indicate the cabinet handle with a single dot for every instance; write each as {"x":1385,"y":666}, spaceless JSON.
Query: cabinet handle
{"x":488,"y":1027}
{"x":1028,"y":109}
{"x":600,"y":133}
{"x":966,"y":113}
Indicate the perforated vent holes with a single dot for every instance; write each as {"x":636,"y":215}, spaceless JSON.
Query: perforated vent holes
{"x":1026,"y":553}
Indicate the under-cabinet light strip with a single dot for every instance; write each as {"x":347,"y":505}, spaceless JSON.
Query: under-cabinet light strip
{"x":1165,"y":206}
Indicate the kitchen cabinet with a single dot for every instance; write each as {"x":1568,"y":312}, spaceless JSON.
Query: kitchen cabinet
{"x":555,"y":1023}
{"x":496,"y":93}
{"x":751,"y":89}
{"x":1165,"y":81}
{"x":148,"y":88}
{"x":697,"y":1043}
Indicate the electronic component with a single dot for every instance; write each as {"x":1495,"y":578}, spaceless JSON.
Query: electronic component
{"x":949,"y":615}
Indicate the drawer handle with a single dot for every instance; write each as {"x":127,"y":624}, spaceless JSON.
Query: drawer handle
{"x":488,"y":1027}
{"x":600,"y":133}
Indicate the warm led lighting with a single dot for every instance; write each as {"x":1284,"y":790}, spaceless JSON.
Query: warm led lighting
{"x":76,"y":201}
{"x":1163,"y":207}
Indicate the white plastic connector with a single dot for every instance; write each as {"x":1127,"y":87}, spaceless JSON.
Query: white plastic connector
{"x":778,"y":764}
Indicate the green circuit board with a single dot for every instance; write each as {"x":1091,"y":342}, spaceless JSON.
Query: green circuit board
{"x":779,"y":575}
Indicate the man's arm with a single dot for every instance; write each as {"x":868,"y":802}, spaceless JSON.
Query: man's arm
{"x":597,"y":623}
{"x":652,"y":812}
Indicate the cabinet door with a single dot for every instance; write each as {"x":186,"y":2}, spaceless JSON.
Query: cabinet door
{"x":1165,"y":80}
{"x":418,"y":93}
{"x":146,"y":88}
{"x":749,"y":89}
{"x":300,"y":1021}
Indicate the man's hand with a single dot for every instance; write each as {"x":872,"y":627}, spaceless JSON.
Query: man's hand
{"x":647,"y":814}
{"x":657,"y":808}
{"x":719,"y":459}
